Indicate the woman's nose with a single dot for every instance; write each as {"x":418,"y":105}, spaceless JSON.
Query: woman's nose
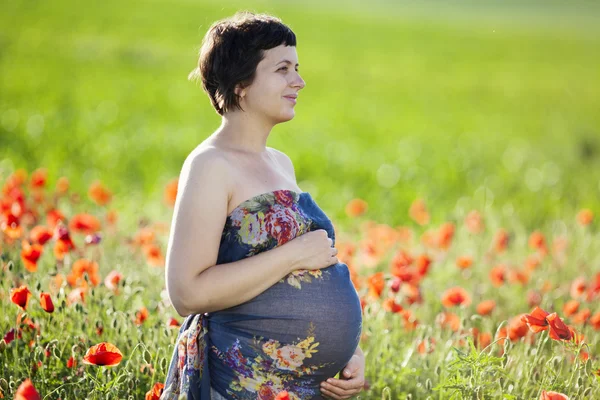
{"x":299,"y":82}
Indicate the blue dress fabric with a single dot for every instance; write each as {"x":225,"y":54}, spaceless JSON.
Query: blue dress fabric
{"x":294,"y":335}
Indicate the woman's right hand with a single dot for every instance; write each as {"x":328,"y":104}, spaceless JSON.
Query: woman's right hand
{"x":313,"y":250}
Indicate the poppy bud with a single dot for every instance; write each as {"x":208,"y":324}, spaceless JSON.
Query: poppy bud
{"x":46,"y":302}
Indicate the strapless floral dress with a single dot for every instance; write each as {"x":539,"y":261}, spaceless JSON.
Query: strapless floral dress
{"x":294,"y":335}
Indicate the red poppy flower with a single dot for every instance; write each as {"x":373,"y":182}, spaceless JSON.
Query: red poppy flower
{"x":595,"y":321}
{"x":501,"y":241}
{"x":585,"y":217}
{"x":498,"y":275}
{"x":594,"y":289}
{"x":173,"y":323}
{"x":456,"y":296}
{"x":558,"y":329}
{"x":376,"y":284}
{"x":550,"y":395}
{"x":356,"y":207}
{"x":570,"y":307}
{"x":99,"y":194}
{"x":582,"y":316}
{"x":474,"y":222}
{"x":428,"y":238}
{"x":81,"y":267}
{"x":63,"y":244}
{"x":533,"y":262}
{"x":38,"y":178}
{"x":400,"y":262}
{"x":111,"y":217}
{"x":486,"y":307}
{"x":62,"y":185}
{"x":76,"y":295}
{"x":390,"y":305}
{"x":537,"y":241}
{"x":84,"y":223}
{"x":464,"y":262}
{"x":71,"y":362}
{"x":445,"y":235}
{"x":30,"y":254}
{"x":422,"y":264}
{"x":10,"y":225}
{"x":105,"y":354}
{"x":536,"y":320}
{"x":410,"y":322}
{"x":141,"y":316}
{"x":26,"y":391}
{"x":20,"y":296}
{"x":10,"y":335}
{"x":154,"y":255}
{"x":112,"y":280}
{"x":170,"y":193}
{"x":53,"y":217}
{"x":155,"y":392}
{"x":411,"y":293}
{"x":40,"y":234}
{"x":517,"y":328}
{"x":501,"y":335}
{"x":46,"y":302}
{"x":418,"y":212}
{"x":516,"y":276}
{"x":449,"y":320}
{"x":481,"y":339}
{"x":426,"y":345}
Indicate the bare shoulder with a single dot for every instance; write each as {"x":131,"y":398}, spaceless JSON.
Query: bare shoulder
{"x":205,"y":153}
{"x":208,"y":157}
{"x":284,"y":159}
{"x":207,"y":166}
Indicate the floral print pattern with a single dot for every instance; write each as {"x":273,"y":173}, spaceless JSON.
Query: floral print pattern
{"x":253,"y":350}
{"x":267,"y":221}
{"x":188,"y":361}
{"x":276,"y":367}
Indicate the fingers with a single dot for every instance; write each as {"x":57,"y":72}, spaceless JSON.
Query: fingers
{"x":340,"y":389}
{"x":330,"y":395}
{"x":348,"y":385}
{"x":333,"y":395}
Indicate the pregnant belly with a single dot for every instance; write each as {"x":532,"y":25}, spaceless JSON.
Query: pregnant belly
{"x":291,"y":337}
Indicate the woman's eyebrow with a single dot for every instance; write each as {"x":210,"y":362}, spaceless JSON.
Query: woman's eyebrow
{"x":287,"y":62}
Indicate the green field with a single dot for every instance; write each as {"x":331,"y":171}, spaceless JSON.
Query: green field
{"x":492,"y":106}
{"x":466,"y":105}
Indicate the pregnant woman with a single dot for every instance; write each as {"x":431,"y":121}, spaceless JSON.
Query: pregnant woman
{"x":251,"y":260}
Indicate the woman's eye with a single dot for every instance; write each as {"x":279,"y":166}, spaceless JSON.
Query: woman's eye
{"x":285,"y":68}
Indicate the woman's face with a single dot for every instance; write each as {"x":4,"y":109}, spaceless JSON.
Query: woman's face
{"x":275,"y":79}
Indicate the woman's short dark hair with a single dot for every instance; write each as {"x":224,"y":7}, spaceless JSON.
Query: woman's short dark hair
{"x":230,"y":52}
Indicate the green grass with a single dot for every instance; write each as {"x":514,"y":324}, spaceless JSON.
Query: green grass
{"x":485,"y":105}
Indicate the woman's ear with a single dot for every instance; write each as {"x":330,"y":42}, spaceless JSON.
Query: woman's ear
{"x":239,"y":91}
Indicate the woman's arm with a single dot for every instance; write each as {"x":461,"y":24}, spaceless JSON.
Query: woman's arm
{"x":194,"y":283}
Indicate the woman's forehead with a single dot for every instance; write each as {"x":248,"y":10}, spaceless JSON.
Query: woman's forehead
{"x":279,"y":54}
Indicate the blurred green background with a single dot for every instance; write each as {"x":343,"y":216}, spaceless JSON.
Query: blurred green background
{"x":486,"y":105}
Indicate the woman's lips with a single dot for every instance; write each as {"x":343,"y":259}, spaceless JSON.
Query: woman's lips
{"x":293,"y":100}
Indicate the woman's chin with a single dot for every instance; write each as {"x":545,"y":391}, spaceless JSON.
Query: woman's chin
{"x":287,"y":116}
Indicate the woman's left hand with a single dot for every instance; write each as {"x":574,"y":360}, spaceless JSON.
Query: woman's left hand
{"x":352,"y":381}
